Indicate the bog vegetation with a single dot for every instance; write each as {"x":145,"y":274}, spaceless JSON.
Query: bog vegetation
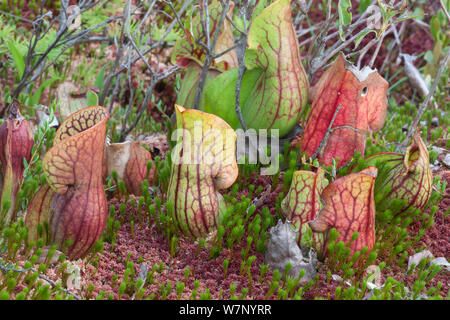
{"x":109,"y":189}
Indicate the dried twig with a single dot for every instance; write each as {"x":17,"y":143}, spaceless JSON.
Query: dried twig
{"x":109,"y":77}
{"x":209,"y":46}
{"x":16,"y":17}
{"x":52,"y":283}
{"x":445,"y":9}
{"x":318,"y":56}
{"x":246,"y":14}
{"x":124,"y":62}
{"x":377,"y":49}
{"x":153,"y":45}
{"x":424,"y":105}
{"x":327,"y":133}
{"x":64,"y":40}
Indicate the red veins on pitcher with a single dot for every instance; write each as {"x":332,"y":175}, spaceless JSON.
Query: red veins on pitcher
{"x":406,"y":177}
{"x":203,"y":161}
{"x":350,"y":207}
{"x":303,"y":203}
{"x":74,"y":202}
{"x":16,"y":142}
{"x":357,"y":101}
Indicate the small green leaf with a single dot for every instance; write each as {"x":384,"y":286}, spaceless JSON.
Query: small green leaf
{"x":363,"y":5}
{"x":17,"y":57}
{"x":92,"y":98}
{"x":383,"y":10}
{"x":345,"y":13}
{"x":428,"y":57}
{"x":391,"y":14}
{"x":24,"y":162}
{"x":173,"y":35}
{"x":362,"y":36}
{"x":100,"y":79}
{"x":412,"y":15}
{"x":442,"y":18}
{"x":435,"y":27}
{"x":420,"y":13}
{"x":38,"y":93}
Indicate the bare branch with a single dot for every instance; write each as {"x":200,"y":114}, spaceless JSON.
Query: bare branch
{"x":16,"y":17}
{"x":424,"y":105}
{"x":377,"y":49}
{"x":155,"y":76}
{"x":159,"y":42}
{"x":148,"y":95}
{"x":64,"y":40}
{"x":246,"y":14}
{"x":110,"y":76}
{"x":327,"y":133}
{"x":52,"y":283}
{"x":209,"y":57}
{"x":445,"y":9}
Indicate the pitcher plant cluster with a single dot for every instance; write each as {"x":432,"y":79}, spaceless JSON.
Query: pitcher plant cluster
{"x":337,"y":115}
